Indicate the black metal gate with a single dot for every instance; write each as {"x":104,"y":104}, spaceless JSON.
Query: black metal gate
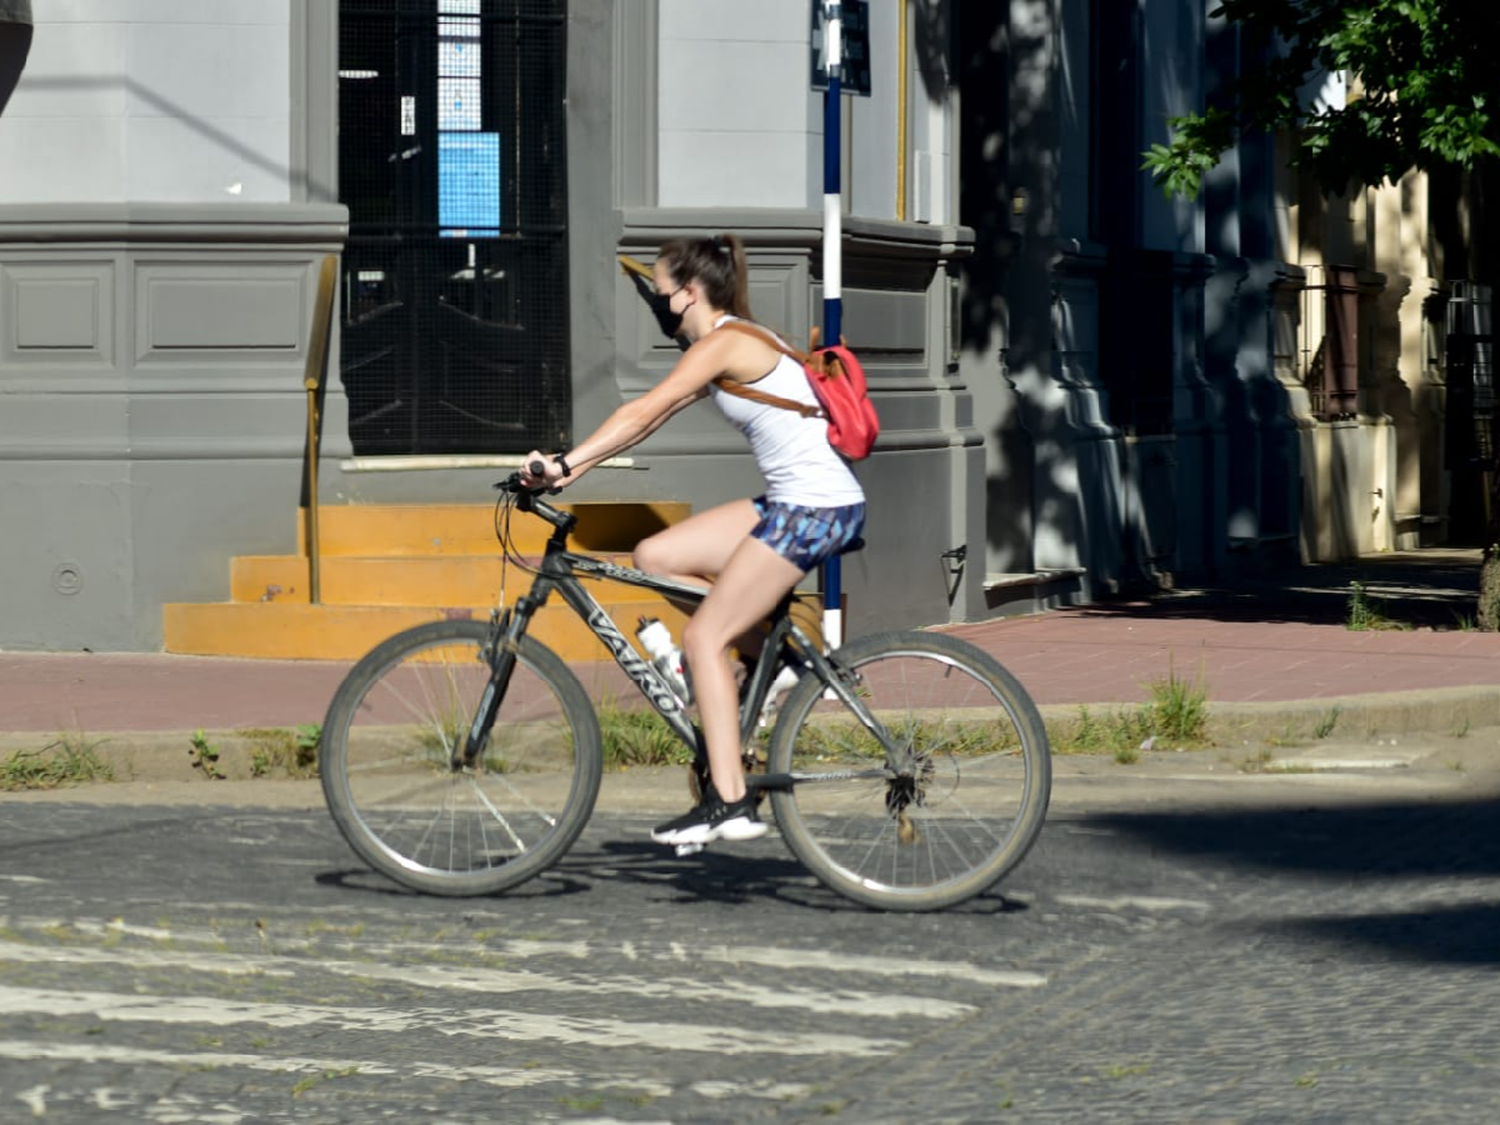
{"x":452,"y":162}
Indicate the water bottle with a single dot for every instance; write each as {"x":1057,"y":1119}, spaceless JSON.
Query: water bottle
{"x":666,"y":657}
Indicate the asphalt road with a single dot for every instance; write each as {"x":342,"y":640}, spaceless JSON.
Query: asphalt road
{"x":1178,"y":947}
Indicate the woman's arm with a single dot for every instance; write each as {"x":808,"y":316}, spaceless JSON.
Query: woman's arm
{"x":636,"y":420}
{"x":629,"y":425}
{"x":719,"y":353}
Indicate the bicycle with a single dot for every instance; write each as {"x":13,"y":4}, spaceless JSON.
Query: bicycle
{"x":906,"y":770}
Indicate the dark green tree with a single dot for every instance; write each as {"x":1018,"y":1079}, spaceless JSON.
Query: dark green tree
{"x":1425,"y":95}
{"x":1427,"y":91}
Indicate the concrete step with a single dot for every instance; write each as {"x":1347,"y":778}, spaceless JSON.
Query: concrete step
{"x":385,"y":567}
{"x":403,"y":530}
{"x":451,"y":580}
{"x":287,"y":630}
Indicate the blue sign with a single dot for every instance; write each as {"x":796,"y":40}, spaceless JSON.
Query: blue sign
{"x":469,"y":185}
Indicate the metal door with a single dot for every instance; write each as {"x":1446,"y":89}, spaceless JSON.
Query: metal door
{"x":452,"y":163}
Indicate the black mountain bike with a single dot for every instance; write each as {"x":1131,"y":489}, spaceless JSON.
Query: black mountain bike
{"x":906,"y":770}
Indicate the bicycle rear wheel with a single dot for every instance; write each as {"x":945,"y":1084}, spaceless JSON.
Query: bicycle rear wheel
{"x":388,"y":748}
{"x":962,"y":810}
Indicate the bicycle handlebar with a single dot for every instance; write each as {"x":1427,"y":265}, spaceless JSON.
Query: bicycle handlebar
{"x":529,"y":498}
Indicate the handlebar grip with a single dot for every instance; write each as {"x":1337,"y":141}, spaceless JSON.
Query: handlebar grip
{"x":536,"y":469}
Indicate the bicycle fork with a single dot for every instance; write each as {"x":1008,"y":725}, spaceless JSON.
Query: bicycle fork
{"x":506,"y":630}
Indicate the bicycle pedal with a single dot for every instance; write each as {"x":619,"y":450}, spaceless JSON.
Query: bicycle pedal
{"x":690,"y":849}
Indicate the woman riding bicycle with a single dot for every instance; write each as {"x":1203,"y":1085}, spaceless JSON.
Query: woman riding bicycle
{"x":752,"y":551}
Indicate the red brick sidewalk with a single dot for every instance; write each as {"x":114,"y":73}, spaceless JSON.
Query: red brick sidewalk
{"x":1079,"y":656}
{"x":1090,"y":656}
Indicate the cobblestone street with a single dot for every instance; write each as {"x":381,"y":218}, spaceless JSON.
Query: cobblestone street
{"x":1253,"y":949}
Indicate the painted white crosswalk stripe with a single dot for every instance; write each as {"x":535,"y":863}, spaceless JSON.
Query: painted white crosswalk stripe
{"x":269,"y":992}
{"x":29,"y":1050}
{"x":475,"y":1022}
{"x":471,"y":979}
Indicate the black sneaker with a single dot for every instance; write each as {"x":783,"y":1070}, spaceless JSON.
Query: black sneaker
{"x":713,"y":820}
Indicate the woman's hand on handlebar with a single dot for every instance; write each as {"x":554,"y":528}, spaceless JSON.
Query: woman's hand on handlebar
{"x":541,"y":471}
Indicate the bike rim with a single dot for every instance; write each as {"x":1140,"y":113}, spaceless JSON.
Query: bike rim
{"x":959,"y":814}
{"x":509,"y":809}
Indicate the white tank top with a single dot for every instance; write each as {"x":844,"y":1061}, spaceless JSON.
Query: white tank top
{"x":792,"y":452}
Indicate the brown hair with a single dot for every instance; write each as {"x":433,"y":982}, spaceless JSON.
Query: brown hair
{"x":717,"y":265}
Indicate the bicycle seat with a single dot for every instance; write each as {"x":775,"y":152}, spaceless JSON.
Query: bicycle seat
{"x":855,"y":544}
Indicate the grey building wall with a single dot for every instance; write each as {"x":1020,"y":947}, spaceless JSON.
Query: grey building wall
{"x":698,"y":117}
{"x":156,"y":292}
{"x":161,"y":221}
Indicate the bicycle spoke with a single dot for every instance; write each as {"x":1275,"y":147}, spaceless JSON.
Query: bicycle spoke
{"x":391,"y":736}
{"x":968,"y":783}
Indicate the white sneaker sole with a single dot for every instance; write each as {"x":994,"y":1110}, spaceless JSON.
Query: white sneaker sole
{"x":743,"y":828}
{"x":738,"y":829}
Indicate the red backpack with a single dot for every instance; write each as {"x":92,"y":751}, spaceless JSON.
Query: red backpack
{"x":836,"y":379}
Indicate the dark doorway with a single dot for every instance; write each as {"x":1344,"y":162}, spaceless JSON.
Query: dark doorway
{"x":452,"y":162}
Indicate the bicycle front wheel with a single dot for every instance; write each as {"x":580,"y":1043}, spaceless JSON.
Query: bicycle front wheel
{"x":956,"y":803}
{"x":396,"y":792}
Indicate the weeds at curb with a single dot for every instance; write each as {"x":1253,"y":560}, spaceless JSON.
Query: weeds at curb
{"x":71,"y":759}
{"x":290,"y":753}
{"x":638,"y":738}
{"x":1176,"y":716}
{"x":1327,"y":723}
{"x":205,"y":756}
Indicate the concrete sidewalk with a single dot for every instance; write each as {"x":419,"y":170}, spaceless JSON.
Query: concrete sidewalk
{"x":1274,"y":654}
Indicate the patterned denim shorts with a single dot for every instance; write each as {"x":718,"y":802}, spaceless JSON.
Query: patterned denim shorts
{"x":806,"y":537}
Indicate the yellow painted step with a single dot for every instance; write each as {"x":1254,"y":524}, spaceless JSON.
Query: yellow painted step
{"x":442,"y":580}
{"x":275,"y":630}
{"x":469,"y":529}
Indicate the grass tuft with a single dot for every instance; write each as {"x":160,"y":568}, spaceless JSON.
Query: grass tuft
{"x":276,"y":751}
{"x":1176,"y":715}
{"x":1327,"y":723}
{"x":638,"y":737}
{"x":1367,"y":614}
{"x":72,"y":759}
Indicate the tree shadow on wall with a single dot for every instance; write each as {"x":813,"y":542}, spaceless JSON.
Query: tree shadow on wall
{"x":996,"y":126}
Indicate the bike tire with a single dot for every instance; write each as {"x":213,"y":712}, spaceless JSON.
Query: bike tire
{"x":386,"y":752}
{"x":978,"y":791}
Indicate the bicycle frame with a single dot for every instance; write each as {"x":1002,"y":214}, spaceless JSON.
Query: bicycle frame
{"x":559,"y":571}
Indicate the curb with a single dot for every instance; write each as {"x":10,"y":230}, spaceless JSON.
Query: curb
{"x":169,"y":755}
{"x":1445,"y":711}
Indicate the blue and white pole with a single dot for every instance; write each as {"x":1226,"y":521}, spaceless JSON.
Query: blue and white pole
{"x":833,"y":276}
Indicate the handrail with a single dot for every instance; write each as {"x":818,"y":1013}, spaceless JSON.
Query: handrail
{"x":634,"y":266}
{"x":317,"y":354}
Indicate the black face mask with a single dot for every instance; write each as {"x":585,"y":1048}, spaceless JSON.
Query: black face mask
{"x":661,"y":308}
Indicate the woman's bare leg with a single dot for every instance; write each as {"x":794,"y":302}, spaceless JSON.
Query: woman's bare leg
{"x":698,"y":548}
{"x":749,"y":585}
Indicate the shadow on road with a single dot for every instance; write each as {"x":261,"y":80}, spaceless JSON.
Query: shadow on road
{"x":729,"y":877}
{"x":1446,"y":855}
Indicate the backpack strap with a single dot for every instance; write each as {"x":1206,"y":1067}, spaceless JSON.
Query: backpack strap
{"x":766,"y":336}
{"x":740,"y":390}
